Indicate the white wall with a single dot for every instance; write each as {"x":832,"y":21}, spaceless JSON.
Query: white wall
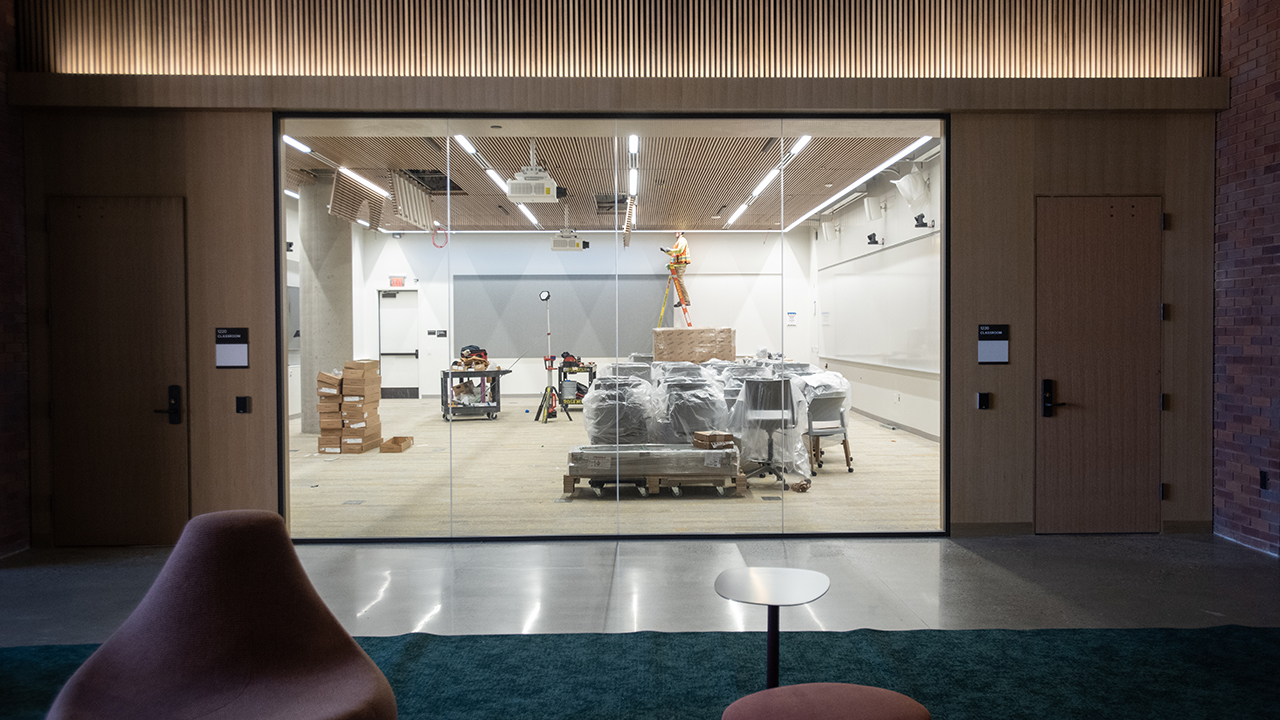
{"x":901,"y":381}
{"x":742,"y":280}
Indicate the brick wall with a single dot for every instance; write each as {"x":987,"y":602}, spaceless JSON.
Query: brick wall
{"x":15,"y":439}
{"x":1246,"y":371}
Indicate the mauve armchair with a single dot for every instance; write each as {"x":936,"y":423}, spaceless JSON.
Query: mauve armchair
{"x":232,"y":628}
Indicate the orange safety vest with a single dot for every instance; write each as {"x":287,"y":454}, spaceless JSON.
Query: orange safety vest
{"x":680,"y":252}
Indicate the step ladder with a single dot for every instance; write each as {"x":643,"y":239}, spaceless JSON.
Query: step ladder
{"x":666,"y":297}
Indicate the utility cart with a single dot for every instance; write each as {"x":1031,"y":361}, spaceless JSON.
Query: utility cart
{"x":488,"y":395}
{"x":569,"y":379}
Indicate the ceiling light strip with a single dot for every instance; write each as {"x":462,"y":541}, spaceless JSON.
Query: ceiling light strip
{"x":290,"y":141}
{"x":364,"y":181}
{"x":880,"y":168}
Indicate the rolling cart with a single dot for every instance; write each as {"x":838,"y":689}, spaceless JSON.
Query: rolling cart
{"x":568,"y":375}
{"x":487,"y":384}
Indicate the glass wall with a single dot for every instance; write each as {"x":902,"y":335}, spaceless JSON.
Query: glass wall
{"x":553,"y":309}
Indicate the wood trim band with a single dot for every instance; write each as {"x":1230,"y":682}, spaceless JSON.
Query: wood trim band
{"x":609,"y":95}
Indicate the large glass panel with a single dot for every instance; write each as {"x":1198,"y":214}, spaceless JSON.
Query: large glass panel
{"x":482,"y":262}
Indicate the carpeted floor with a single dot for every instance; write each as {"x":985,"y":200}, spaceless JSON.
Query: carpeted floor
{"x":1222,"y":672}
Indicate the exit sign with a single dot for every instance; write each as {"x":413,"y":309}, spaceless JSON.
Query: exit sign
{"x":397,"y":281}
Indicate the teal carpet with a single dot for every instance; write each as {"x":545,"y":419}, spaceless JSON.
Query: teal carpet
{"x":1223,"y":672}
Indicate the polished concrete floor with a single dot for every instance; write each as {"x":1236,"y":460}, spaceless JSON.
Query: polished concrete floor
{"x":81,"y":595}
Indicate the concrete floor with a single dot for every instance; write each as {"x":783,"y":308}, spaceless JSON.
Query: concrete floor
{"x":81,"y":595}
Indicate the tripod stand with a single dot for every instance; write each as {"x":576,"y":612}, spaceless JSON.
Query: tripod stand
{"x":550,"y":396}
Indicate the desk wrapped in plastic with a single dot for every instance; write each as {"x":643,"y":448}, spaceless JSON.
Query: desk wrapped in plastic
{"x":650,"y":460}
{"x":619,"y":411}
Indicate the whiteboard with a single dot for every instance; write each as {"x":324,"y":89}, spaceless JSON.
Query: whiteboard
{"x":885,"y":307}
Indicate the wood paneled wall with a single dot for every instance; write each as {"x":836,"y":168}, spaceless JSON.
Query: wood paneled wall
{"x":999,"y":164}
{"x":624,"y":38}
{"x":222,"y":164}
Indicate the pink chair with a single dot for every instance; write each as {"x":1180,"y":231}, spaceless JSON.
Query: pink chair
{"x":231,"y":628}
{"x":826,"y":701}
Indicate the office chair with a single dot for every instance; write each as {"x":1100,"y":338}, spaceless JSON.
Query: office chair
{"x":827,"y":419}
{"x":768,"y":408}
{"x":733,"y":378}
{"x":617,"y":411}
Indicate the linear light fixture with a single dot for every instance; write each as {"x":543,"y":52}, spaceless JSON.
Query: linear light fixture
{"x":363,"y":222}
{"x":529,"y":215}
{"x":290,"y":141}
{"x":880,"y":168}
{"x":293,"y":194}
{"x":496,"y":178}
{"x":633,"y":164}
{"x":364,"y":181}
{"x":466,"y":144}
{"x":796,"y":147}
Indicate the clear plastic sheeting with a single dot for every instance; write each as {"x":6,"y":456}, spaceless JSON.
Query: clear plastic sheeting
{"x":646,"y":358}
{"x":825,"y":383}
{"x":797,"y":368}
{"x":769,"y":419}
{"x":689,"y":405}
{"x":629,"y":461}
{"x":628,"y":369}
{"x":663,"y":371}
{"x":620,"y":411}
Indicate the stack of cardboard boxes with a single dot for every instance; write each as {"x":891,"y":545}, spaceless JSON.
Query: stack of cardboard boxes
{"x":329,"y":404}
{"x":348,"y":407}
{"x":361,"y":393}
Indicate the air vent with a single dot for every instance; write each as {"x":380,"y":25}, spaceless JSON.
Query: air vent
{"x":610,"y":204}
{"x":435,"y":181}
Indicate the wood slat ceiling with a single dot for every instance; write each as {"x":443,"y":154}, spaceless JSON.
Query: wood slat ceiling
{"x":683,"y":181}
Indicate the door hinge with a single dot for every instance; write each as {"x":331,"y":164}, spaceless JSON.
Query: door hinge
{"x":1164,"y":401}
{"x":1164,"y":311}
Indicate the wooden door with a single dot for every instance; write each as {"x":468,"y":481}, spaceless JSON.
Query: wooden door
{"x":1098,"y":268}
{"x":118,"y":342}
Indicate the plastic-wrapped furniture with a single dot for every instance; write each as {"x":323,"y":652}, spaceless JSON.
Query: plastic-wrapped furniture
{"x":690,"y":405}
{"x":618,"y":411}
{"x":827,"y":419}
{"x":231,"y":628}
{"x":826,"y":701}
{"x":630,"y":369}
{"x":664,"y":371}
{"x":766,"y":417}
{"x":798,"y":368}
{"x":732,"y":380}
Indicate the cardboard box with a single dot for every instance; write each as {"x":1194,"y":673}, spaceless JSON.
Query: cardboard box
{"x":711,"y":440}
{"x":330,"y":443}
{"x":326,"y":391}
{"x":360,"y":365}
{"x":694,"y":345}
{"x":368,"y":431}
{"x":366,"y":395}
{"x":351,"y":415}
{"x":335,"y":449}
{"x":396,"y":444}
{"x":327,"y":404}
{"x":325,"y":379}
{"x":360,"y":387}
{"x":331,"y":432}
{"x":359,"y":446}
{"x":362,"y":422}
{"x":330,"y":421}
{"x":369,"y":406}
{"x":359,"y":375}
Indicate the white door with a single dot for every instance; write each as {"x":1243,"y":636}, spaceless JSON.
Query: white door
{"x":398,"y":342}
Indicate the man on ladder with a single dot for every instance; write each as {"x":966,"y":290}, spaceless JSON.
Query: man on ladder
{"x":679,"y":253}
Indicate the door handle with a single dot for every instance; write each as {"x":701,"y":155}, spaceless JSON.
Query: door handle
{"x":174,"y":411}
{"x":1046,"y":399}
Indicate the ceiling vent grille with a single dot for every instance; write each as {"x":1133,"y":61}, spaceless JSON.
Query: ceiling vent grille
{"x":410,"y":202}
{"x":350,"y":200}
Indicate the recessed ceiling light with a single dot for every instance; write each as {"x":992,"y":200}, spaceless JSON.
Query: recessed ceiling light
{"x":495,"y":127}
{"x":715,"y":217}
{"x":828,"y":184}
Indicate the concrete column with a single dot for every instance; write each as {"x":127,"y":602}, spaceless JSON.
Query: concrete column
{"x":324,"y":306}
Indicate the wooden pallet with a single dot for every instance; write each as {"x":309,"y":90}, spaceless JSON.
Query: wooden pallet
{"x":654,"y":483}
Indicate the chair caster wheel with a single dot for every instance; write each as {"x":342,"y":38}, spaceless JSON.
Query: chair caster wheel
{"x":819,"y":463}
{"x":813,"y":473}
{"x":850,"y":469}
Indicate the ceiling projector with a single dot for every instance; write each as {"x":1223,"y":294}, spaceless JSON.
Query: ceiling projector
{"x":567,"y":239}
{"x":532,"y":185}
